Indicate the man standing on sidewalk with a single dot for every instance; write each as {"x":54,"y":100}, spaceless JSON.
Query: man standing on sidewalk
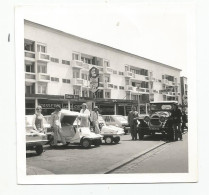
{"x":94,"y":120}
{"x":176,"y":115}
{"x":132,"y":117}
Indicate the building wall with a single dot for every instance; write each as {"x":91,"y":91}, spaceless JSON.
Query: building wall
{"x":61,"y":45}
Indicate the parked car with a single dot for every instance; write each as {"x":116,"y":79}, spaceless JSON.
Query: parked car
{"x":34,"y":139}
{"x":117,"y":120}
{"x":74,"y":134}
{"x":159,"y":120}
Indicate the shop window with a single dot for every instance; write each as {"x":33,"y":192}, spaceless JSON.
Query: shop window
{"x":29,"y":45}
{"x":41,"y":48}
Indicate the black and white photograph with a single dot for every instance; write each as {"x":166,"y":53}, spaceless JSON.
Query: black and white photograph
{"x":104,"y":93}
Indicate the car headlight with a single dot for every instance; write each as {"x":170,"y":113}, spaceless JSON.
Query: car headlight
{"x":162,"y":119}
{"x":146,"y":119}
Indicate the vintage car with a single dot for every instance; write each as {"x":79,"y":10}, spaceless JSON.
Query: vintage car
{"x":34,"y":139}
{"x":117,"y":120}
{"x":159,"y":120}
{"x":73,"y":133}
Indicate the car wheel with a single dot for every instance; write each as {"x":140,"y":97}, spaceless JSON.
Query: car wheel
{"x":141,"y":135}
{"x":97,"y":142}
{"x":39,"y":150}
{"x":108,"y":140}
{"x":86,"y":143}
{"x":116,"y":140}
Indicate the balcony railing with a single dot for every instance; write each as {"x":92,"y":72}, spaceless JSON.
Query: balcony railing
{"x":128,"y":74}
{"x":30,"y":76}
{"x":108,"y":70}
{"x":129,"y":88}
{"x":77,"y":64}
{"x":43,"y":77}
{"x":78,"y":81}
{"x":139,"y":77}
{"x":108,"y":86}
{"x":30,"y":54}
{"x":42,"y":57}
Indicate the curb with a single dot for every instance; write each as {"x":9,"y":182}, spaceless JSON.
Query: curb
{"x":126,"y":161}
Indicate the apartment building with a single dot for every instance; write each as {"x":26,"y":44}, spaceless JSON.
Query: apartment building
{"x":184,"y":91}
{"x":57,"y":66}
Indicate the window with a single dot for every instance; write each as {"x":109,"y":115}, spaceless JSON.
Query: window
{"x":42,"y":67}
{"x":140,"y":71}
{"x":41,"y":48}
{"x":56,"y":60}
{"x":55,"y":79}
{"x":110,"y":85}
{"x":115,"y":72}
{"x":76,"y":74}
{"x":84,"y":76}
{"x":126,"y":68}
{"x":29,"y":45}
{"x":30,"y":88}
{"x":29,"y":67}
{"x":107,"y":79}
{"x":75,"y":56}
{"x":120,"y":73}
{"x":76,"y":91}
{"x":66,"y":62}
{"x":66,"y":81}
{"x":107,"y":94}
{"x":121,"y":87}
{"x":42,"y":88}
{"x":106,"y":64}
{"x":99,"y":94}
{"x":84,"y":93}
{"x":115,"y":87}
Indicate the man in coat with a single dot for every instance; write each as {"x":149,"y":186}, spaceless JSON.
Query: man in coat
{"x":132,"y":117}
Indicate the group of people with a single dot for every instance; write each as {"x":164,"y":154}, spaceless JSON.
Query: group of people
{"x":179,"y":121}
{"x":88,"y":118}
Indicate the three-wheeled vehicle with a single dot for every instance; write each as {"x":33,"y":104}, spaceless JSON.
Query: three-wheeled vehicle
{"x":110,"y":133}
{"x":34,"y":139}
{"x":73,"y":133}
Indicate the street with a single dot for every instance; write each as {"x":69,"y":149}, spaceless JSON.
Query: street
{"x":149,"y":156}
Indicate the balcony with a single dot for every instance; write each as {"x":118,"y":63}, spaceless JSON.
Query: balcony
{"x":85,"y":67}
{"x":139,"y":77}
{"x":164,"y":81}
{"x":42,"y":77}
{"x":108,"y":86}
{"x":29,"y":55}
{"x":78,"y":81}
{"x":29,"y":76}
{"x":128,"y":74}
{"x":108,"y":70}
{"x":42,"y":57}
{"x":77,"y":64}
{"x":128,"y":88}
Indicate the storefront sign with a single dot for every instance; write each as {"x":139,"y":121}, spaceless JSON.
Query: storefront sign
{"x":68,"y":96}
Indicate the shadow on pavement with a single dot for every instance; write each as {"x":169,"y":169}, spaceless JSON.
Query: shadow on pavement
{"x":156,"y":137}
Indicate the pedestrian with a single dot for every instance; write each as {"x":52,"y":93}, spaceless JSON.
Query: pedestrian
{"x":94,"y":119}
{"x":38,"y":120}
{"x":184,"y":121}
{"x":176,"y":114}
{"x":132,"y":121}
{"x":85,"y":119}
{"x":56,"y":125}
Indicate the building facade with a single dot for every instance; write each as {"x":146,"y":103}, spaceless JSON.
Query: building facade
{"x":57,"y":67}
{"x":184,"y":92}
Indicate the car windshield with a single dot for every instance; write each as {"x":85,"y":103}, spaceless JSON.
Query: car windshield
{"x":155,"y":107}
{"x":121,"y":118}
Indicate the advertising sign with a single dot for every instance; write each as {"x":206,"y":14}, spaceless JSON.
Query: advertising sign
{"x":94,"y":79}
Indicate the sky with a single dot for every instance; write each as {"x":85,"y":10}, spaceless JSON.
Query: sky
{"x":155,"y":31}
